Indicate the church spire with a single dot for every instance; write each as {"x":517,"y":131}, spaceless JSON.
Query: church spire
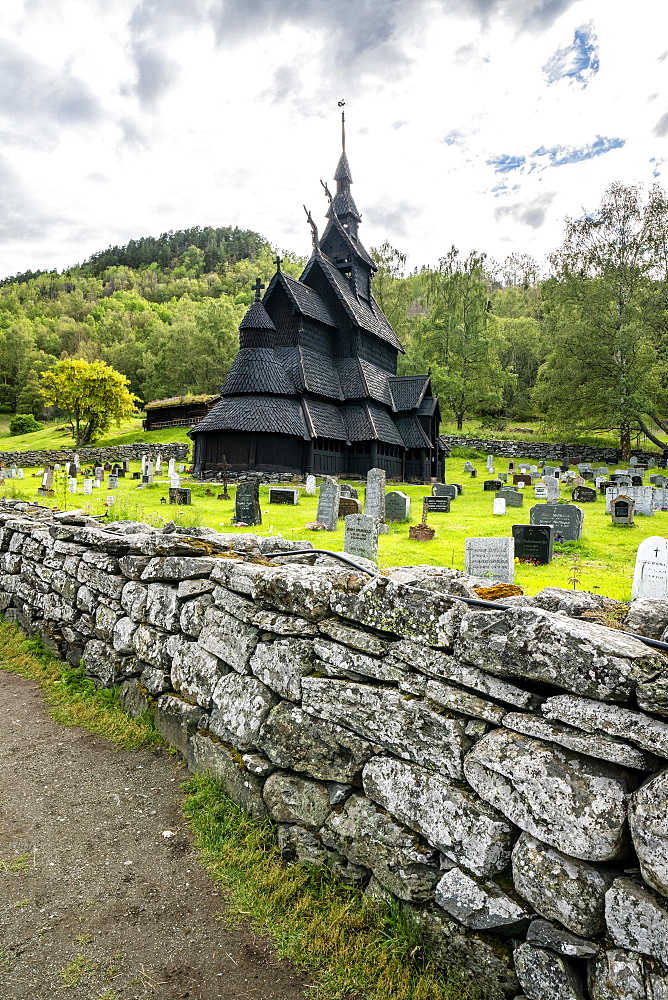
{"x":343,"y":206}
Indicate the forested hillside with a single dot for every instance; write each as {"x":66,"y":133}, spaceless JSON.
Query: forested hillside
{"x":584,"y":345}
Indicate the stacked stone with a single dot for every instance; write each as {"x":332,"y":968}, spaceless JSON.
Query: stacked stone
{"x":90,"y":456}
{"x":503,"y":773}
{"x":547,"y":450}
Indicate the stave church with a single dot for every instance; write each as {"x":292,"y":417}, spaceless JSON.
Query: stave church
{"x":314,"y":387}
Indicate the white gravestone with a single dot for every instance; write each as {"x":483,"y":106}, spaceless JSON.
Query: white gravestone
{"x":660,"y":498}
{"x":310,"y":486}
{"x":144,"y":460}
{"x":171,"y":467}
{"x":499,"y":506}
{"x":490,"y":463}
{"x":374,"y":495}
{"x":650,"y":578}
{"x":552,"y":485}
{"x":181,"y":468}
{"x":158,"y":465}
{"x":360,"y":536}
{"x":88,"y":486}
{"x":112,"y":483}
{"x":540,"y":491}
{"x":19,"y":473}
{"x":642,"y":495}
{"x":175,"y":482}
{"x":71,"y":485}
{"x":490,"y":557}
{"x":96,"y":484}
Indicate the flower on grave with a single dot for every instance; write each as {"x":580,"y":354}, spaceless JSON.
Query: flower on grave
{"x":316,"y":526}
{"x":240,"y":524}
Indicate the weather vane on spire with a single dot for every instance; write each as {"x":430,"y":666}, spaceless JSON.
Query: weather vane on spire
{"x":342,"y":105}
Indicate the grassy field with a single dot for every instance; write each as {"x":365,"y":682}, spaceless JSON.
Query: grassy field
{"x":57,"y":435}
{"x":606,"y":554}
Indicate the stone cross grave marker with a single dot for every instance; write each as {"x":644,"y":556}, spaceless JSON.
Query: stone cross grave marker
{"x":278,"y":494}
{"x":511,"y":497}
{"x":310,"y":486}
{"x":650,"y":578}
{"x":621,"y":509}
{"x":328,"y":503}
{"x":360,"y":536}
{"x":374,"y":495}
{"x":247,"y":503}
{"x":490,"y":557}
{"x":181,"y":496}
{"x":348,"y":506}
{"x":534,"y":542}
{"x":397,"y":506}
{"x":566,"y":518}
{"x":498,"y":505}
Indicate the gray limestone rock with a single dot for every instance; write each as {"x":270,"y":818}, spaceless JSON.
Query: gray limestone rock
{"x":637,"y":919}
{"x":282,"y":664}
{"x":617,"y":974}
{"x":543,"y":974}
{"x":464,"y":701}
{"x":479,"y":904}
{"x":102,"y":661}
{"x":447,"y":814}
{"x":294,"y":739}
{"x":234,"y":604}
{"x":133,"y":600}
{"x":177,"y":720}
{"x":163,"y":607}
{"x":270,"y":621}
{"x":647,"y":616}
{"x":228,"y":638}
{"x":581,"y":657}
{"x":86,"y":599}
{"x":406,"y":726}
{"x":305,"y":590}
{"x":561,"y":888}
{"x":97,"y":579}
{"x":401,"y":861}
{"x":133,"y":698}
{"x":290,"y":799}
{"x":123,"y":636}
{"x":192,"y":614}
{"x":347,"y":660}
{"x":105,"y":619}
{"x":572,"y":602}
{"x":155,"y":680}
{"x":648,"y":820}
{"x":133,"y":566}
{"x":151,"y":645}
{"x":548,"y":935}
{"x":652,"y":694}
{"x":595,"y":717}
{"x":575,"y":803}
{"x":208,"y":756}
{"x":364,"y":642}
{"x":237,"y":575}
{"x":195,"y":672}
{"x":601,"y":746}
{"x":178,"y":568}
{"x":193,"y":588}
{"x":296,"y":843}
{"x":241,"y":705}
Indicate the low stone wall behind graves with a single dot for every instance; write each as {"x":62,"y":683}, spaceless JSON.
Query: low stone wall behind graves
{"x":88,"y":456}
{"x":547,"y":450}
{"x":501,"y":772}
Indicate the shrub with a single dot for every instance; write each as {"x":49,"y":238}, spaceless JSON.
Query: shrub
{"x":24,"y":423}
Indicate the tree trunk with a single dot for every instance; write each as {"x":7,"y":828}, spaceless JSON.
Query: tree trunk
{"x":625,"y":441}
{"x":460,"y":421}
{"x":648,"y":433}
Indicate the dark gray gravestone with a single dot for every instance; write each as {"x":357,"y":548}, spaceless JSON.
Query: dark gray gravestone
{"x":523,"y":478}
{"x":328,"y":504}
{"x":112,"y":483}
{"x":360,"y":536}
{"x":584,"y":494}
{"x":136,"y":475}
{"x":436,"y":505}
{"x":247,"y":503}
{"x":566,"y":518}
{"x":636,"y":481}
{"x":492,"y":484}
{"x":349,"y":506}
{"x":181,"y":496}
{"x":534,"y":542}
{"x":397,"y":506}
{"x":444,"y":490}
{"x":512,"y":497}
{"x":349,"y":491}
{"x":283,"y":496}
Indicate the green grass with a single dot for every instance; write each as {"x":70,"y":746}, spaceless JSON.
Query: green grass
{"x":537,"y":430}
{"x":360,"y":949}
{"x":56,"y":434}
{"x":606,"y":553}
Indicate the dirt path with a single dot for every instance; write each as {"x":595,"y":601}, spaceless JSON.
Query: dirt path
{"x":104,"y":887}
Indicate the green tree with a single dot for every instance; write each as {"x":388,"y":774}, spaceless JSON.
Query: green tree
{"x":93,"y":395}
{"x":605,"y":368}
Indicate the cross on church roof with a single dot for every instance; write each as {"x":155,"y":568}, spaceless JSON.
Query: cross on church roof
{"x":278,"y":260}
{"x":258,"y":286}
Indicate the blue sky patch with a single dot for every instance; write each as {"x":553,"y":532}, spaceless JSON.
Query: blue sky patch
{"x":559,"y":156}
{"x":578,"y":62}
{"x":504,"y":163}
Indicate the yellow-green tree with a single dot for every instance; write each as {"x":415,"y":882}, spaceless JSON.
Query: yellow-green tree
{"x":93,"y":395}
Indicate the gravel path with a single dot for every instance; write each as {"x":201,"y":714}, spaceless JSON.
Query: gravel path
{"x":106,"y":892}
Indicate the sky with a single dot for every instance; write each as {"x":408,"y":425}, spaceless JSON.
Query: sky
{"x":481,"y":124}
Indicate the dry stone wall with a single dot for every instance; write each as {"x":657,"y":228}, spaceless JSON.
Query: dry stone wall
{"x":547,"y":450}
{"x":501,"y":772}
{"x":88,"y":456}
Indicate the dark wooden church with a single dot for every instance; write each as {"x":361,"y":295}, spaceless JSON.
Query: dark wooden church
{"x":314,"y":387}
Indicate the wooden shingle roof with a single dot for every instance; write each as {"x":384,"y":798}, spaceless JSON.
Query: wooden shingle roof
{"x":257,"y":369}
{"x":268,"y":414}
{"x":408,"y":390}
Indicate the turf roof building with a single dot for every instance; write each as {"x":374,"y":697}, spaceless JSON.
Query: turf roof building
{"x":314,"y":387}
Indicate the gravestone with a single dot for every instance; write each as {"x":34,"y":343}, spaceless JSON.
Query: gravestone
{"x":636,"y":481}
{"x":567,"y":519}
{"x":490,"y":557}
{"x":360,"y":536}
{"x":147,"y":480}
{"x":126,"y":465}
{"x":468,"y":466}
{"x":397,"y":506}
{"x":512,"y":497}
{"x":56,"y":467}
{"x":511,"y":466}
{"x":88,"y":486}
{"x":97,"y":484}
{"x":175,"y":482}
{"x":650,"y":578}
{"x":474,"y":474}
{"x":641,"y":496}
{"x":458,"y":487}
{"x":144,"y":460}
{"x":658,"y":481}
{"x":552,"y":485}
{"x":47,"y":483}
{"x":99,"y":472}
{"x":71,"y":485}
{"x":633,"y":460}
{"x":489,"y":465}
{"x":349,"y":491}
{"x":660,"y":498}
{"x":72,"y":470}
{"x":19,"y":473}
{"x":158,"y":465}
{"x":374,"y":495}
{"x":283,"y":496}
{"x":246,"y":503}
{"x":113,"y":483}
{"x":181,"y":467}
{"x":540,"y":491}
{"x":621,"y":509}
{"x":435,"y":505}
{"x":578,"y":481}
{"x":523,"y":478}
{"x":171,"y":467}
{"x":444,"y":490}
{"x":534,"y":542}
{"x":328,"y":503}
{"x":492,"y":484}
{"x":503,"y":476}
{"x":584,"y":494}
{"x":310,"y":486}
{"x":181,"y":496}
{"x":348,"y":506}
{"x":498,"y":505}
{"x":135,"y":475}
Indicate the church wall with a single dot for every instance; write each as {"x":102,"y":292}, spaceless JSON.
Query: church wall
{"x":284,"y":318}
{"x":315,"y":336}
